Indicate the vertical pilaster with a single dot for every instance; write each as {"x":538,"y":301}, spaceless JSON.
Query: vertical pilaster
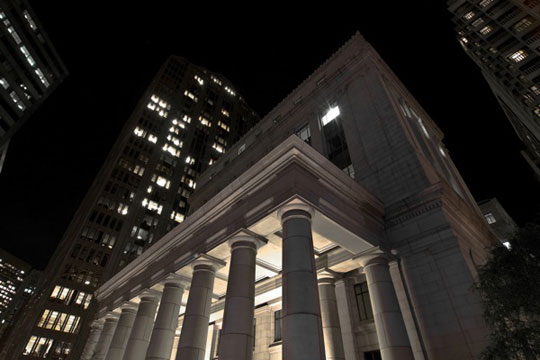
{"x":139,"y":337}
{"x":104,"y":342}
{"x":345,"y":316}
{"x":302,"y":326}
{"x":161,"y":342}
{"x":391,"y":332}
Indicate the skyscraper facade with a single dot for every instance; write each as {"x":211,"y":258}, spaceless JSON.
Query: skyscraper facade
{"x":13,"y":272}
{"x":503,"y":38}
{"x":30,"y":68}
{"x":187,"y":118}
{"x":337,"y":228}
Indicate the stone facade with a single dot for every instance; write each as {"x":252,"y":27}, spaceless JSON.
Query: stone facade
{"x":337,"y":228}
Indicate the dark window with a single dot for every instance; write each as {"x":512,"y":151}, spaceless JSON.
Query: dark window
{"x":372,"y":355}
{"x":336,"y":145}
{"x":277,"y":325}
{"x":362,"y":301}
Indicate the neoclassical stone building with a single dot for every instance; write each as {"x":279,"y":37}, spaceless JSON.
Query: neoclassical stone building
{"x":337,"y":228}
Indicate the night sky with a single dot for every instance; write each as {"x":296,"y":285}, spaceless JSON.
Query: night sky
{"x":112,"y":53}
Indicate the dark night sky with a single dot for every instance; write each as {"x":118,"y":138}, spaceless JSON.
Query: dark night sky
{"x":113,"y":52}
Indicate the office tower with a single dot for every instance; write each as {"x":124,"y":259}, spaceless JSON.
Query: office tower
{"x":30,"y":68}
{"x":499,"y":220}
{"x":503,"y":37}
{"x":337,"y":228}
{"x":185,"y":120}
{"x":13,"y":272}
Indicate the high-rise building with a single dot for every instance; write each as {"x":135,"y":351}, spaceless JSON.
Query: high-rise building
{"x":18,"y":282}
{"x":337,"y":228}
{"x":30,"y":68}
{"x":503,"y":38}
{"x":187,"y":118}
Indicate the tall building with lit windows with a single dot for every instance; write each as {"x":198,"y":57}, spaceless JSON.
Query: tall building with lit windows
{"x":503,"y":38}
{"x":30,"y":68}
{"x":187,"y":118}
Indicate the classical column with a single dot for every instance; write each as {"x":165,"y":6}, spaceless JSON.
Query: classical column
{"x":192,"y":343}
{"x":391,"y":333}
{"x":139,"y":338}
{"x":345,"y":317}
{"x":93,"y":337}
{"x":121,"y":334}
{"x":301,"y":314}
{"x":333,"y":342}
{"x":104,"y":342}
{"x":236,"y":342}
{"x":162,"y":339}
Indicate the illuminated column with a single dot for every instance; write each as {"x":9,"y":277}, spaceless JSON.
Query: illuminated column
{"x":161,"y":342}
{"x":236,"y":342}
{"x":139,"y":338}
{"x":302,"y":327}
{"x":192,"y":343}
{"x":121,"y":334}
{"x":104,"y":342}
{"x":95,"y":332}
{"x":391,"y":333}
{"x":333,"y":342}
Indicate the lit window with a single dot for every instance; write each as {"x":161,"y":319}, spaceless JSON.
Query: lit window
{"x":42,"y":77}
{"x":152,"y":205}
{"x":464,"y":40}
{"x":535,"y":89}
{"x":485,"y":30}
{"x":191,"y":95}
{"x":154,"y":98}
{"x":199,"y":80}
{"x":537,"y":111}
{"x":175,"y":140}
{"x":151,"y":106}
{"x":17,"y":100}
{"x":469,"y":15}
{"x":30,"y":20}
{"x":186,"y":119}
{"x":330,"y":115}
{"x":225,"y":112}
{"x":507,"y":244}
{"x":27,"y":55}
{"x":490,"y":218}
{"x":152,"y":138}
{"x":139,"y":132}
{"x":518,"y":56}
{"x":224,"y":126}
{"x":205,"y":121}
{"x":522,"y":24}
{"x":219,"y":148}
{"x":176,"y":216}
{"x":477,"y":22}
{"x":4,"y":83}
{"x":190,"y":160}
{"x":485,"y":3}
{"x":161,"y":181}
{"x":230,"y":91}
{"x":216,"y":80}
{"x":171,"y":150}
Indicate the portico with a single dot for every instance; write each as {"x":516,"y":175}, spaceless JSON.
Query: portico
{"x":278,"y":236}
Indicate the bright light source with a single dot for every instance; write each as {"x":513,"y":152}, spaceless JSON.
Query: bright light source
{"x":330,"y":115}
{"x":87,"y":282}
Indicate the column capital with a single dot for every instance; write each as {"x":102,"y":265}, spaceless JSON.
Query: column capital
{"x":149,"y":294}
{"x":372,"y":257}
{"x":327,"y":276}
{"x":128,"y":306}
{"x":97,"y":324}
{"x":244,"y":236}
{"x":175,"y":280}
{"x":207,"y":262}
{"x":111,"y":315}
{"x":296,"y":210}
